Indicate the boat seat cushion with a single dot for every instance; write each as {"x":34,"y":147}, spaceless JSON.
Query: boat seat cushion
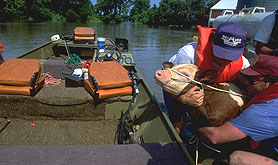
{"x":21,"y":90}
{"x":108,"y":79}
{"x":78,"y":38}
{"x":107,"y":93}
{"x":20,"y":77}
{"x":108,"y":74}
{"x":24,"y":72}
{"x":84,"y":33}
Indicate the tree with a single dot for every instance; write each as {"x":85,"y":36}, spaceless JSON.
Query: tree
{"x":153,"y":16}
{"x":111,"y":11}
{"x":12,"y":9}
{"x":40,"y":10}
{"x":139,"y":11}
{"x":199,"y":12}
{"x":173,"y":12}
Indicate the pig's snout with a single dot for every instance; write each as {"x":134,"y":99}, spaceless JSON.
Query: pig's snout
{"x":161,"y":76}
{"x":158,"y":73}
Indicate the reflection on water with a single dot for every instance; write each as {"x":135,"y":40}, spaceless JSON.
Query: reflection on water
{"x":150,"y":46}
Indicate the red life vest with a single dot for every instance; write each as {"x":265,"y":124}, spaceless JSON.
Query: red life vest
{"x":1,"y":46}
{"x":205,"y":57}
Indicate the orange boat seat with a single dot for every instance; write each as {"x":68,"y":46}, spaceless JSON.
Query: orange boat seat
{"x":84,"y":34}
{"x":108,"y":79}
{"x":20,"y":76}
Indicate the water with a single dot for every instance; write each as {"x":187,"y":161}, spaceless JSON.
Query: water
{"x":150,"y":46}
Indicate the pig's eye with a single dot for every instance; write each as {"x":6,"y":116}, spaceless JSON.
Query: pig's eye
{"x":186,"y":74}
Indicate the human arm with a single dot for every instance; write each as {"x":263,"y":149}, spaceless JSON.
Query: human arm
{"x":258,"y":122}
{"x":222,"y":134}
{"x":262,"y":48}
{"x":243,"y":157}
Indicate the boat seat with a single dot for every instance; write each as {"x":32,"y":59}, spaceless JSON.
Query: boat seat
{"x":108,"y":79}
{"x":84,"y":34}
{"x":20,"y":76}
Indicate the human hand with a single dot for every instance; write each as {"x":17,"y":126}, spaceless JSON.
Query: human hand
{"x":191,"y":97}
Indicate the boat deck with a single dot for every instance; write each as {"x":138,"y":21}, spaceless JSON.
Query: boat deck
{"x":58,"y":132}
{"x":57,"y":115}
{"x":149,"y":153}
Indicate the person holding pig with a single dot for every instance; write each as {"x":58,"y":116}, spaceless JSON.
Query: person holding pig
{"x":218,"y":49}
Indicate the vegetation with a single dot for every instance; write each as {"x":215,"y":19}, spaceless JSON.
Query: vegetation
{"x":46,"y":10}
{"x":181,"y":13}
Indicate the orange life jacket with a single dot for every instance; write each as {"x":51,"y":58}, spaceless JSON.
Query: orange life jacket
{"x":1,"y":46}
{"x":205,"y":57}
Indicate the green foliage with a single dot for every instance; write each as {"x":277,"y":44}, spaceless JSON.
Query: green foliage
{"x":40,"y":11}
{"x":200,"y":12}
{"x":138,"y":12}
{"x":153,"y":16}
{"x":112,"y":11}
{"x":178,"y":13}
{"x":12,"y":9}
{"x":46,"y":10}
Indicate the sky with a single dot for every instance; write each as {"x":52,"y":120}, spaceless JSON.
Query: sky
{"x":152,"y":2}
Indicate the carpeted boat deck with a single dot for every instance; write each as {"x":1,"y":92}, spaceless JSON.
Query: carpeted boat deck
{"x":53,"y":102}
{"x":57,"y":132}
{"x":56,"y":115}
{"x":135,"y":154}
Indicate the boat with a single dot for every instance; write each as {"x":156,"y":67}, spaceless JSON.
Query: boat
{"x":66,"y":120}
{"x":72,"y":118}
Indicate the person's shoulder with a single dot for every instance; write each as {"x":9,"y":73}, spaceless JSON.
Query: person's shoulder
{"x":193,"y":44}
{"x":189,"y":46}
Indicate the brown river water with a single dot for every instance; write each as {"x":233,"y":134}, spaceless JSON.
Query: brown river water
{"x":150,"y":46}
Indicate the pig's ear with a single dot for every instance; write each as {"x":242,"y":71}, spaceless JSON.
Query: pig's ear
{"x":167,"y":64}
{"x":208,"y":76}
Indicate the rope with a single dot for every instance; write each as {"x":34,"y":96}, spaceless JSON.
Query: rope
{"x":197,"y":140}
{"x":202,"y":84}
{"x":49,"y":79}
{"x":73,"y":59}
